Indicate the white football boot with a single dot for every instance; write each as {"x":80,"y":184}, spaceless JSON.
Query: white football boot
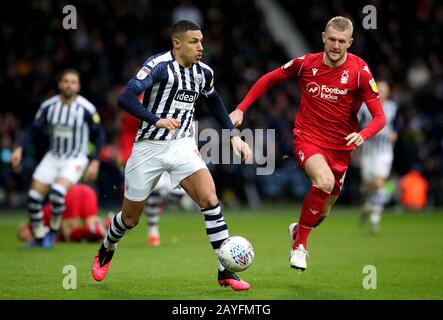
{"x":297,"y":257}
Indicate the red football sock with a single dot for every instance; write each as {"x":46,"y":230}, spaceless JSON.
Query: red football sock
{"x":311,"y":212}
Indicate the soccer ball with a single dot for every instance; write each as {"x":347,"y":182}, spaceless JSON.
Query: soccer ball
{"x":236,"y":254}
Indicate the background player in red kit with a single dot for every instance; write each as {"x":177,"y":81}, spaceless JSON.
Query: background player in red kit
{"x":333,"y":85}
{"x":79,"y":221}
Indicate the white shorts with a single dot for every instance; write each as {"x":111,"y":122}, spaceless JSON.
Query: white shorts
{"x":376,"y":166}
{"x":164,"y":185}
{"x":151,"y":158}
{"x":51,"y":168}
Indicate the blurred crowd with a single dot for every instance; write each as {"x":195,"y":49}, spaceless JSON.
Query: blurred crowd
{"x":113,"y":38}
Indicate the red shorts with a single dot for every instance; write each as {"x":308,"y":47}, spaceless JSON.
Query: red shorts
{"x":338,"y":160}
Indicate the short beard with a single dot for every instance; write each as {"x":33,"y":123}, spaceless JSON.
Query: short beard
{"x":67,"y":96}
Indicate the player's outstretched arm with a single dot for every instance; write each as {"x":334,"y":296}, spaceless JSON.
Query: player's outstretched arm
{"x":262,"y":86}
{"x":369,"y":93}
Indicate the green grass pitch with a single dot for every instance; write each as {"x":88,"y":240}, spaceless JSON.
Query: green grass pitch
{"x":407,"y":255}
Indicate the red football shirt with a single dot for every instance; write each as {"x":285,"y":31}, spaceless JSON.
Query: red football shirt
{"x":330,"y":99}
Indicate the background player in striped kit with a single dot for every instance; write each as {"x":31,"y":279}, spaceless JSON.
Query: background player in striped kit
{"x":70,"y":120}
{"x":80,"y":220}
{"x":377,"y":155}
{"x":172,"y":82}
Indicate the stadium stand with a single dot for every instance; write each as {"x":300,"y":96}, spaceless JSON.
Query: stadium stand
{"x":114,"y":38}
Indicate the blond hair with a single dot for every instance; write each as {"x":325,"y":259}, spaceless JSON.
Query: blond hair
{"x":340,"y":23}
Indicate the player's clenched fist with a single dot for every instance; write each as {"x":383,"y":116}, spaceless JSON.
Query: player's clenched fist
{"x":241,"y":148}
{"x":236,"y":117}
{"x":169,"y":124}
{"x":355,"y":138}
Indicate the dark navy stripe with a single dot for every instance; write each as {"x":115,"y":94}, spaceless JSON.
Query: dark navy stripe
{"x":65,"y":145}
{"x":200,"y":72}
{"x":57,"y":146}
{"x":155,"y":106}
{"x":34,"y":200}
{"x":112,"y":241}
{"x":216,"y":229}
{"x":145,"y":102}
{"x":114,"y":235}
{"x":81,"y":142}
{"x":59,"y":120}
{"x":217,"y":244}
{"x":152,"y":214}
{"x":51,"y":120}
{"x":191,"y":76}
{"x":166,"y":132}
{"x":168,"y":102}
{"x":68,"y":113}
{"x":213,"y":217}
{"x":74,"y":132}
{"x":190,"y":119}
{"x":183,"y":76}
{"x":117,"y":225}
{"x":207,"y":74}
{"x":50,"y":112}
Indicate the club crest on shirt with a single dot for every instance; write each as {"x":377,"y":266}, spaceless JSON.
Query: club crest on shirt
{"x":301,"y":155}
{"x":199,"y":79}
{"x":344,"y":77}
